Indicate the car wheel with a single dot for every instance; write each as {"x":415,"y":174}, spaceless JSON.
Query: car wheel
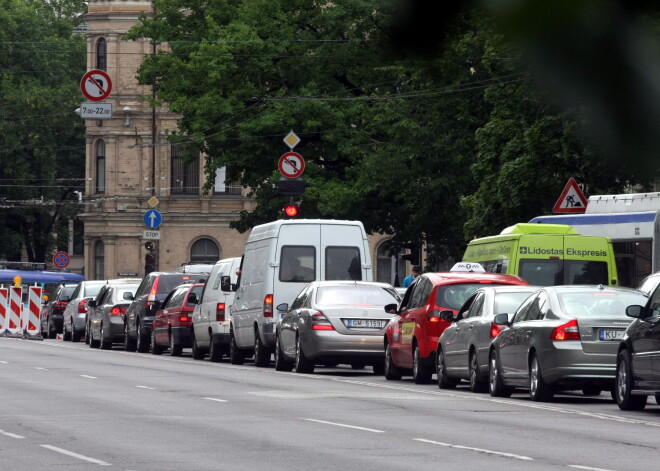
{"x":624,"y":383}
{"x":75,"y":335}
{"x":175,"y":348}
{"x":261,"y":352}
{"x":215,"y":352}
{"x":66,"y":336}
{"x":236,"y":356}
{"x":142,"y":341}
{"x":129,"y":343}
{"x":303,"y":364}
{"x":496,"y":386}
{"x":281,"y":364}
{"x":155,"y":348}
{"x":86,"y":335}
{"x":93,"y":343}
{"x":197,"y":353}
{"x":391,"y":372}
{"x":104,"y":342}
{"x":52,"y":331}
{"x":476,"y":384}
{"x":539,"y":391}
{"x":591,"y":391}
{"x":419,"y":375}
{"x":444,"y":381}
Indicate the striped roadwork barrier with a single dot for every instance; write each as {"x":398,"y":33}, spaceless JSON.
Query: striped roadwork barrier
{"x":32,"y":326}
{"x":4,"y":294}
{"x":14,"y":309}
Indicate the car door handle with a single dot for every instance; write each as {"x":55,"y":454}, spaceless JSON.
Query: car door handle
{"x":528,"y":333}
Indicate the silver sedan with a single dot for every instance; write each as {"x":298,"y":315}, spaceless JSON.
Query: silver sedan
{"x":334,"y":322}
{"x":561,"y":338}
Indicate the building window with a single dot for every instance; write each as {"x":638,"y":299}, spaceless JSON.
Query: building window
{"x":185,"y":172}
{"x":386,"y":269}
{"x":99,"y":261}
{"x":100,"y":166}
{"x":101,"y":55}
{"x":204,"y":251}
{"x":222,"y":186}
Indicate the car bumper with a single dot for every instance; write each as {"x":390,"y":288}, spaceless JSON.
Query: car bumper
{"x":318,"y":344}
{"x":181,"y":336}
{"x":221,"y":338}
{"x":568,"y":365}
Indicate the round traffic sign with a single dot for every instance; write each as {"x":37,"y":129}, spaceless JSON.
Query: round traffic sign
{"x":96,"y":85}
{"x":291,"y":165}
{"x":61,"y":259}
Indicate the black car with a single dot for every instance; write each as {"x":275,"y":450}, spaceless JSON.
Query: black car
{"x":638,"y":360}
{"x":150,"y":294}
{"x":52,"y":314}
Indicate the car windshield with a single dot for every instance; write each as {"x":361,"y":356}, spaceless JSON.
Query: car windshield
{"x":509,"y":302}
{"x":355,"y":295}
{"x":453,"y":296}
{"x":599,"y":303}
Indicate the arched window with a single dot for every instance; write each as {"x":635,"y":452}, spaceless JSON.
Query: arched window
{"x":101,"y":55}
{"x":204,"y":251}
{"x":99,"y":261}
{"x":100,"y":166}
{"x":385,"y":265}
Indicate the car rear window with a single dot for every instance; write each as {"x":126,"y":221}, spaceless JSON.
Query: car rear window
{"x":510,"y":302}
{"x":453,"y":296}
{"x":355,"y":296}
{"x":599,"y":303}
{"x":167,"y":283}
{"x":92,"y":290}
{"x":68,"y":291}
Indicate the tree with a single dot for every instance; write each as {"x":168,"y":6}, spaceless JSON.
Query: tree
{"x":43,"y":141}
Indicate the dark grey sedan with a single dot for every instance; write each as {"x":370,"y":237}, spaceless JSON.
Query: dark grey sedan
{"x":107,"y":312}
{"x":462,"y":351}
{"x":333,"y":322}
{"x":561,"y":338}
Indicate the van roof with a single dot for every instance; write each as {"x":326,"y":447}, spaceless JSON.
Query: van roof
{"x":271,"y":229}
{"x":527,"y":228}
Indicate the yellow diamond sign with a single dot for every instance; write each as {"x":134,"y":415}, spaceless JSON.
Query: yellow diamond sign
{"x":153,"y":201}
{"x":291,"y":140}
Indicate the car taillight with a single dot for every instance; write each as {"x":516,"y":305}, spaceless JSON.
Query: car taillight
{"x":434,"y":316}
{"x":59,"y":305}
{"x":568,"y":331}
{"x":118,"y":311}
{"x":220,"y":312}
{"x":183,"y":318}
{"x":82,"y":306}
{"x":320,"y":322}
{"x":268,"y":305}
{"x":495,"y":329}
{"x":151,"y":299}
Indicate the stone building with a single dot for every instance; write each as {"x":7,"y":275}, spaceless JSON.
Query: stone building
{"x":131,"y":168}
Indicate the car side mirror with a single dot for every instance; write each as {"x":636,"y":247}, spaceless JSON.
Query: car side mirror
{"x":391,"y":308}
{"x":634,"y":311}
{"x":192,"y":298}
{"x":502,"y":319}
{"x":225,"y":283}
{"x":447,"y":316}
{"x":282,"y":307}
{"x":91,"y":303}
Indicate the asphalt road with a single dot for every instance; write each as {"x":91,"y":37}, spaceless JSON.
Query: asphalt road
{"x":64,"y":406}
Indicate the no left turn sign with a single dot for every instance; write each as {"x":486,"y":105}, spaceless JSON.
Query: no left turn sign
{"x":96,"y":85}
{"x":291,"y":165}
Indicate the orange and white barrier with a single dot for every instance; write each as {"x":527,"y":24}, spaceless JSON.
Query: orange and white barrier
{"x":32,"y":325}
{"x":14,"y":311}
{"x":4,"y":293}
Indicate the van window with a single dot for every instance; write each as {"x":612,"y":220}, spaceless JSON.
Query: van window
{"x":297,"y":264}
{"x":343,"y":263}
{"x":563,"y":272}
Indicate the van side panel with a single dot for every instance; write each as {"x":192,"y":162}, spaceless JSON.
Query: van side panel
{"x":496,"y":256}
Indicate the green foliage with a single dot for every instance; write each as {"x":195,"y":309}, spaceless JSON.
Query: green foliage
{"x":42,"y":151}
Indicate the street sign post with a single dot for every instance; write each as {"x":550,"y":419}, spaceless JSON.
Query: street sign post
{"x":61,"y":259}
{"x":152,"y":219}
{"x":291,"y":165}
{"x":96,"y":85}
{"x":571,"y":200}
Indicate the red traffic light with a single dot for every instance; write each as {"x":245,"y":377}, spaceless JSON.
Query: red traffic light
{"x":291,"y":210}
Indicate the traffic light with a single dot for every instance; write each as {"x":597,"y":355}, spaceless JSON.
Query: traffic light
{"x":149,"y":245}
{"x":149,"y":263}
{"x":290,"y":210}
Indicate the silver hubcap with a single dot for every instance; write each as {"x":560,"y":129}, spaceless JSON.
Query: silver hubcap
{"x":473,"y":370}
{"x":493,"y":373}
{"x":534,"y":377}
{"x":416,"y":362}
{"x":621,"y":380}
{"x":441,"y":365}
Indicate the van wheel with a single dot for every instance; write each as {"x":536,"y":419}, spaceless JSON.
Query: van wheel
{"x":197,"y":353}
{"x":236,"y":355}
{"x":261,"y":352}
{"x":215,"y":352}
{"x":303,"y":364}
{"x":281,"y":364}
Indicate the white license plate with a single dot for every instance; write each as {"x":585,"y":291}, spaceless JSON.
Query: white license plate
{"x":365,"y":323}
{"x":610,"y":334}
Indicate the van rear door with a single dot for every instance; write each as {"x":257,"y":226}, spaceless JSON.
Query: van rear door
{"x":344,"y":253}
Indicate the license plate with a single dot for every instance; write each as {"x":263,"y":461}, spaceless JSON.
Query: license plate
{"x":365,"y":323}
{"x":610,"y":334}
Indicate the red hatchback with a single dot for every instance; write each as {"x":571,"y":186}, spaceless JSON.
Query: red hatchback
{"x":412,"y":335}
{"x":173,"y":320}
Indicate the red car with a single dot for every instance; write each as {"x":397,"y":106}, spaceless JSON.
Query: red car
{"x":173,"y":320}
{"x":412,"y":335}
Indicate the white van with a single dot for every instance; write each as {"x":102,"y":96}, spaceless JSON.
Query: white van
{"x":210,"y":319}
{"x":280,"y":258}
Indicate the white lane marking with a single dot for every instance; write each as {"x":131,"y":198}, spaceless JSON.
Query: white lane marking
{"x":344,"y":425}
{"x":589,"y":468}
{"x":480,"y":450}
{"x":214,"y":399}
{"x":9,"y":434}
{"x":40,"y":368}
{"x":144,"y":387}
{"x":88,"y":376}
{"x":76,"y":455}
{"x":3,"y":362}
